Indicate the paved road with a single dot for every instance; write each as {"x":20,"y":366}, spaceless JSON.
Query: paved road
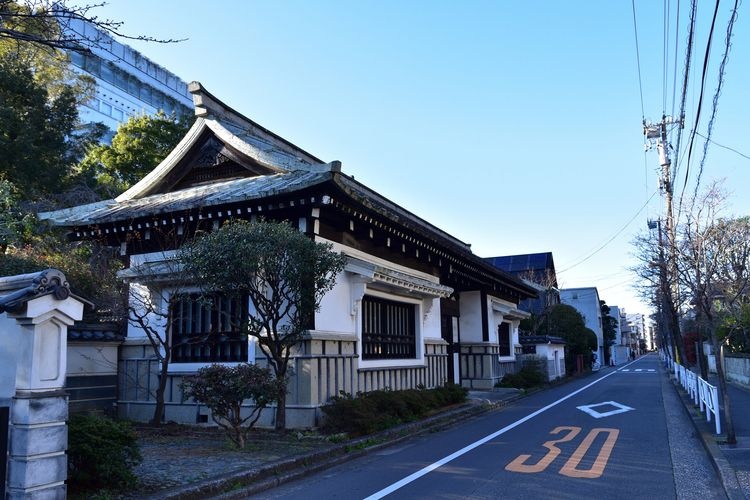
{"x":604,"y":436}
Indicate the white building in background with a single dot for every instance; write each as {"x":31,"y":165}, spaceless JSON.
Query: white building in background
{"x":620,"y":349}
{"x":651,"y":335}
{"x":586,"y":302}
{"x":637,"y":322}
{"x":127,"y":83}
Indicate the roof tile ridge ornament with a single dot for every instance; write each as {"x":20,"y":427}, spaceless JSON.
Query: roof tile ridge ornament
{"x":25,"y":287}
{"x":208,"y":106}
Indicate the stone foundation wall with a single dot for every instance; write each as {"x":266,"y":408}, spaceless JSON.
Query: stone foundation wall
{"x":481,"y":367}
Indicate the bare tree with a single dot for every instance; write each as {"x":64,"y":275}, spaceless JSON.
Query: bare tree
{"x":703,"y":245}
{"x":660,"y":288}
{"x":153,"y":287}
{"x":54,"y":24}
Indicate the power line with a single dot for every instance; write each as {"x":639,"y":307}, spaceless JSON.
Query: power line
{"x":610,"y":239}
{"x":715,"y":102}
{"x":676,"y":44}
{"x":722,"y":146}
{"x":685,"y":80}
{"x":665,"y":56}
{"x":638,"y":60}
{"x":700,"y":98}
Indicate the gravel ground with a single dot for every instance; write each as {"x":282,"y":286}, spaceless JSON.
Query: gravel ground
{"x":180,"y":455}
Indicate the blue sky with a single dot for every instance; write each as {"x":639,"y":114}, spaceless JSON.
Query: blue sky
{"x":514,"y":126}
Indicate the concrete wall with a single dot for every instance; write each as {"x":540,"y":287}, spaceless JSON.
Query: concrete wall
{"x":555,"y":356}
{"x":737,"y":368}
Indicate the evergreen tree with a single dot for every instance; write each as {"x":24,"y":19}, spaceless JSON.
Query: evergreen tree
{"x":139,"y":145}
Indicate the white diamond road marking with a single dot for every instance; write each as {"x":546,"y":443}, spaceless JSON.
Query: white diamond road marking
{"x":591,"y":411}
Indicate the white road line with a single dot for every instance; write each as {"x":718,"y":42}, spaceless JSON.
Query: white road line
{"x":426,"y":470}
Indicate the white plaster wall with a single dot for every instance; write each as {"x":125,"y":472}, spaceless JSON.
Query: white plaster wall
{"x":548,"y":351}
{"x":92,"y":359}
{"x":431,"y":319}
{"x":471,"y":316}
{"x":495,"y":319}
{"x":9,"y":342}
{"x":336,"y":307}
{"x":138,"y":296}
{"x":335,"y":313}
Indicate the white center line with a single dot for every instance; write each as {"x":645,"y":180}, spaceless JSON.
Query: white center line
{"x":426,"y":470}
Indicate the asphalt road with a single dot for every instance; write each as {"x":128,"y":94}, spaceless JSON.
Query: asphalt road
{"x":604,"y":436}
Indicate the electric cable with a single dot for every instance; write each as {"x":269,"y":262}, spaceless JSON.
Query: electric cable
{"x":665,"y":56}
{"x":685,"y":81}
{"x":676,"y":44}
{"x":717,"y":93}
{"x":611,"y":238}
{"x":706,"y":57}
{"x":638,"y":60}
{"x":722,"y":146}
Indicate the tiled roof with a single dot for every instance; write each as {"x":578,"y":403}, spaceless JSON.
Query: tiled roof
{"x":95,"y":333}
{"x":219,"y":193}
{"x":540,"y":339}
{"x":524,"y":262}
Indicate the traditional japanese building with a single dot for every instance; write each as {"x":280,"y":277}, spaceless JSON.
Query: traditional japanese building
{"x":414,"y":307}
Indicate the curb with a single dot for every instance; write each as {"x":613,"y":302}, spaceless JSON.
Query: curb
{"x":724,"y":469}
{"x":244,"y":483}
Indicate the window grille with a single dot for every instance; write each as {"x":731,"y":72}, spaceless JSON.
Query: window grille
{"x":503,"y":339}
{"x":388,"y":329}
{"x":208,"y":330}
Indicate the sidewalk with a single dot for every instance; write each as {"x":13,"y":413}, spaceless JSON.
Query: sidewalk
{"x":732,"y":462}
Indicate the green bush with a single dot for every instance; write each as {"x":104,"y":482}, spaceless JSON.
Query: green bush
{"x":527,"y":377}
{"x":101,"y":454}
{"x":223,"y":389}
{"x":373,"y":411}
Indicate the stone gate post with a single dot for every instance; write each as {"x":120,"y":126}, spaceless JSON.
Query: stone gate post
{"x":35,"y":312}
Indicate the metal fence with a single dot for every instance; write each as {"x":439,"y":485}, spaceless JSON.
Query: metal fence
{"x":703,"y":394}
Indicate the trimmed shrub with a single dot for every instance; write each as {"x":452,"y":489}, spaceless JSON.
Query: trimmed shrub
{"x":101,"y":453}
{"x":373,"y":411}
{"x":223,"y":389}
{"x":527,"y":377}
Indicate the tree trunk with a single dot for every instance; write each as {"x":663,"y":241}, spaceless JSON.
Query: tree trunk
{"x":728,"y":422}
{"x":674,"y":327}
{"x":160,"y":389}
{"x":701,"y":357}
{"x":281,"y":411}
{"x":280,"y":368}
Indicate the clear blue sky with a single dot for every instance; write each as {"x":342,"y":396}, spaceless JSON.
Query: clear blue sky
{"x":515,"y":126}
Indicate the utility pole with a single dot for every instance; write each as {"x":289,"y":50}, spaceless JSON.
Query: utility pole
{"x":656,"y":136}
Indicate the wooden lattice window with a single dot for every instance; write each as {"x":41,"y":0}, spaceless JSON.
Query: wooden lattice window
{"x":388,"y":329}
{"x":208,"y":330}
{"x":504,"y":339}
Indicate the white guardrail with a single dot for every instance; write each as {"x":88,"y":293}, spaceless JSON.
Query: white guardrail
{"x":701,"y":392}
